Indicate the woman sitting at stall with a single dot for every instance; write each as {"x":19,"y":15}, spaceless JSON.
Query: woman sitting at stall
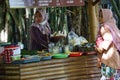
{"x":40,"y":31}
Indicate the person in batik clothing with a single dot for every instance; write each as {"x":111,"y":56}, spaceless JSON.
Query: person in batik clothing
{"x":108,"y":41}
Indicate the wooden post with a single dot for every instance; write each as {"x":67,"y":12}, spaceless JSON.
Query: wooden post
{"x":93,"y":22}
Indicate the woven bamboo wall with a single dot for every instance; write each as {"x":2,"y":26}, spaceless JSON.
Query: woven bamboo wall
{"x":73,"y":68}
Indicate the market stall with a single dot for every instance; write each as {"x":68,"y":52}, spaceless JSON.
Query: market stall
{"x":75,"y":60}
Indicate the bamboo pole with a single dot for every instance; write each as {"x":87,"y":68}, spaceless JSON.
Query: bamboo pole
{"x":115,"y":7}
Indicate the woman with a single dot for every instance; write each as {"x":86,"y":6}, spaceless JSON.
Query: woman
{"x":108,"y":46}
{"x":39,"y":31}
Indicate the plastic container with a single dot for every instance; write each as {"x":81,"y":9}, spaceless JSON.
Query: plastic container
{"x":75,"y":54}
{"x":27,"y":60}
{"x":43,"y":58}
{"x":60,"y":55}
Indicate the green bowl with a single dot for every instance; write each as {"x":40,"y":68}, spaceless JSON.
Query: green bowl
{"x":60,"y":55}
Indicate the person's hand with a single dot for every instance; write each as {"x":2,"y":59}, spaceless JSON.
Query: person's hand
{"x":98,"y":49}
{"x":98,"y":62}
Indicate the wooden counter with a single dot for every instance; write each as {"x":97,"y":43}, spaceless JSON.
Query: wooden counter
{"x":72,"y":68}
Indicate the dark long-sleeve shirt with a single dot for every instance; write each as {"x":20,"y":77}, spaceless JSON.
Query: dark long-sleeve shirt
{"x":38,"y":40}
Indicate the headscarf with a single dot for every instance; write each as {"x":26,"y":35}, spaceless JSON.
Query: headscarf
{"x":110,"y":23}
{"x":44,"y":25}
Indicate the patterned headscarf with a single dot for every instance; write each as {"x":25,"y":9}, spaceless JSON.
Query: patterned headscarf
{"x":44,"y":25}
{"x":110,"y":23}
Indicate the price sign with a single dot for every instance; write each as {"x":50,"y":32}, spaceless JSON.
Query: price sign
{"x":44,"y":3}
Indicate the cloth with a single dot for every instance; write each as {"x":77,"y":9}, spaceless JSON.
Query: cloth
{"x":38,"y":40}
{"x":99,"y":38}
{"x":44,"y":25}
{"x":111,"y":56}
{"x":109,"y":73}
{"x":44,"y":28}
{"x":110,"y":23}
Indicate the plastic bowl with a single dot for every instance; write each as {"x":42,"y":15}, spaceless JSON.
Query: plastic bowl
{"x":75,"y":54}
{"x":60,"y":55}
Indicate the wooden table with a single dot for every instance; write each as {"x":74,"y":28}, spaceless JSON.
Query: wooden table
{"x":72,"y":68}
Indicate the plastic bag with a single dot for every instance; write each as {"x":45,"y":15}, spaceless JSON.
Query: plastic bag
{"x":72,"y":37}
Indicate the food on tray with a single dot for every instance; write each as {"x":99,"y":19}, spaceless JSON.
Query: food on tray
{"x":43,"y":53}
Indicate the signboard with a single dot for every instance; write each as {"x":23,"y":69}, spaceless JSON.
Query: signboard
{"x":44,"y":3}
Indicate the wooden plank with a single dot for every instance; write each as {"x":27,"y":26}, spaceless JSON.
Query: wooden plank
{"x":62,"y":68}
{"x":7,"y":67}
{"x":2,"y":77}
{"x":76,"y":63}
{"x":14,"y":77}
{"x":79,"y":78}
{"x":59,"y":76}
{"x":81,"y":58}
{"x":51,"y":72}
{"x":55,"y":70}
{"x":60,"y":71}
{"x":72,"y":68}
{"x":7,"y":72}
{"x":11,"y":71}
